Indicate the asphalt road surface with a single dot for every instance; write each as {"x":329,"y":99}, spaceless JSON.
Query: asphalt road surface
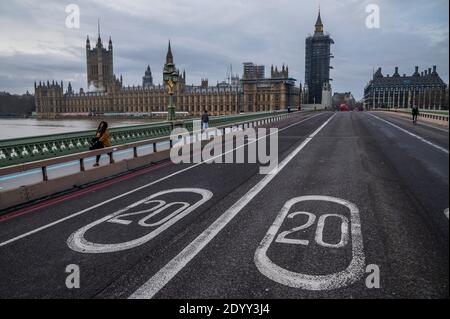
{"x":355,"y":193}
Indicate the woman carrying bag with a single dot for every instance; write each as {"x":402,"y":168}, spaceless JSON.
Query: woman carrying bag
{"x":101,"y":140}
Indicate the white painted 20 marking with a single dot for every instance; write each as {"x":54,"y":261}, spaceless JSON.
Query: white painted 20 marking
{"x":282,"y":237}
{"x":349,"y":230}
{"x":79,"y":243}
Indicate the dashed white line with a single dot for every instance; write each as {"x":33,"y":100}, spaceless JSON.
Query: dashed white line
{"x":149,"y":289}
{"x":412,"y":134}
{"x":138,"y":189}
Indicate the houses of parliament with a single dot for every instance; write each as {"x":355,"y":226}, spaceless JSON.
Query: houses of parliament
{"x":106,"y":93}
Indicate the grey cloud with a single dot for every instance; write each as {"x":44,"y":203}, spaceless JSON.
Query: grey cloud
{"x":207,"y":36}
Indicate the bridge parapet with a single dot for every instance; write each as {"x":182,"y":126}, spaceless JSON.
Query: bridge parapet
{"x":50,"y":185}
{"x":24,"y":150}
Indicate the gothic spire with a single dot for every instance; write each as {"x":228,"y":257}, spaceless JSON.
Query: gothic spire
{"x":148,"y":72}
{"x":319,"y":24}
{"x":99,"y":41}
{"x":169,"y":57}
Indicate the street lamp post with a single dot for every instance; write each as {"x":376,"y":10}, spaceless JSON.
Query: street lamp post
{"x":170,"y":76}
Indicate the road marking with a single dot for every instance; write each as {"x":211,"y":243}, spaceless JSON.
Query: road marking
{"x":344,"y":231}
{"x":421,"y":123}
{"x":282,"y":237}
{"x":433,"y":127}
{"x":140,"y":188}
{"x":411,"y":134}
{"x":446,"y":213}
{"x":78,"y":242}
{"x":350,"y":275}
{"x":149,"y":289}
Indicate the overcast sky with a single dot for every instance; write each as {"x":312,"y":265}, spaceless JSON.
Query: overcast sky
{"x":207,"y":36}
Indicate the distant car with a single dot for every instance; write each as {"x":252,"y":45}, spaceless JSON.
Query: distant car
{"x":343,"y":108}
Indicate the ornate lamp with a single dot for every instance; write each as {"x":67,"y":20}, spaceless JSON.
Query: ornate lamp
{"x":170,"y":77}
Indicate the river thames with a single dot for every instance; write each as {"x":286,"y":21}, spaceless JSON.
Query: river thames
{"x":24,"y":127}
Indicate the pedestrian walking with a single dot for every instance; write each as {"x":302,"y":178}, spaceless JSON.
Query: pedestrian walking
{"x":101,"y":140}
{"x":205,"y":120}
{"x":415,"y":113}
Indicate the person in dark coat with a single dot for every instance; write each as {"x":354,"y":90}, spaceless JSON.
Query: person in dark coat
{"x":415,"y":113}
{"x":205,"y":120}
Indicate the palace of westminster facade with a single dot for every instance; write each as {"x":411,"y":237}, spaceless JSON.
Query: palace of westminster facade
{"x":107,"y":94}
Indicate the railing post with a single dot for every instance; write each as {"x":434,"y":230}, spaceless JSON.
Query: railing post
{"x":44,"y":173}
{"x":154,"y":147}
{"x":82,"y":168}
{"x":135,"y":153}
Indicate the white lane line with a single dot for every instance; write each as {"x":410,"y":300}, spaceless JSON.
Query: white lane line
{"x":140,"y":188}
{"x":411,"y":134}
{"x":165,"y":274}
{"x":432,"y":127}
{"x":446,"y":213}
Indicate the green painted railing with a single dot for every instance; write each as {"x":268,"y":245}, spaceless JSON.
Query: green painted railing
{"x":23,"y":150}
{"x":223,"y":120}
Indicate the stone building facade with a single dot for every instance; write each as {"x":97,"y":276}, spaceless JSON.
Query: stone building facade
{"x":425,"y":89}
{"x":107,"y":94}
{"x":268,"y":94}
